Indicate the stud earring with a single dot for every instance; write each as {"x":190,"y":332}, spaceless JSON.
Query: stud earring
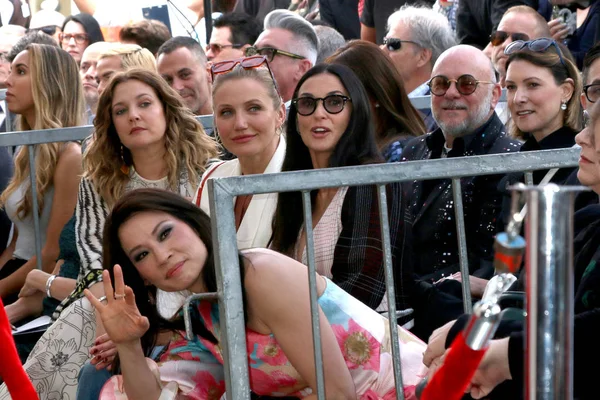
{"x":563,"y":106}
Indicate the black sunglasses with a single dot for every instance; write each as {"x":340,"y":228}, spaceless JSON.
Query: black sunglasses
{"x":395,"y":44}
{"x":48,"y":30}
{"x":537,"y":45}
{"x":592,"y":92}
{"x":270,"y":53}
{"x":333,"y":104}
{"x":499,"y":37}
{"x":465,"y":84}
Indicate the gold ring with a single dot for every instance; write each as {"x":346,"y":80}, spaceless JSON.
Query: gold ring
{"x":119,"y":296}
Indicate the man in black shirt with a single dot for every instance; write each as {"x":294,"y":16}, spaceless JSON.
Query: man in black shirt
{"x":375,"y":15}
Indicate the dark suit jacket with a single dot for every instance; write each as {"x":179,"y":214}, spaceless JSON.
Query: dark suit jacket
{"x":342,"y":15}
{"x":260,"y":8}
{"x":476,"y":19}
{"x":428,"y":207}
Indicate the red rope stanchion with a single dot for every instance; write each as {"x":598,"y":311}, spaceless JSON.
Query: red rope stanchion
{"x":11,"y":370}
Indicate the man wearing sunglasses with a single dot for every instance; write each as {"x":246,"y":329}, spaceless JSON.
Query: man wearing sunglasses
{"x":48,"y":22}
{"x":232,"y":33}
{"x":291,"y":46}
{"x":517,"y":23}
{"x":464,"y":94}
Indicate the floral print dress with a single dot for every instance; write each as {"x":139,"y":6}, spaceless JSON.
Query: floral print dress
{"x":363,"y":336}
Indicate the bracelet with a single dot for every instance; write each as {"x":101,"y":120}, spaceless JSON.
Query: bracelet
{"x":49,"y":284}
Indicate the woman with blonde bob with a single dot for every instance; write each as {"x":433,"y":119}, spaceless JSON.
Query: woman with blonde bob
{"x":45,"y":91}
{"x":144,"y":138}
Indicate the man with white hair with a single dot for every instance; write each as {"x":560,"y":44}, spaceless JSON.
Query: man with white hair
{"x":291,"y":46}
{"x":464,"y":93}
{"x":415,"y":39}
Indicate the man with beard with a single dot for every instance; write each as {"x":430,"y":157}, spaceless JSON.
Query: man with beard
{"x":182,"y":63}
{"x":464,"y":93}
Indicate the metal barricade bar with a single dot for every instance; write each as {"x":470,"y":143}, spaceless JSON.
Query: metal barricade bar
{"x":390,"y":288}
{"x":462,"y":245}
{"x":222,"y":192}
{"x":312,"y":285}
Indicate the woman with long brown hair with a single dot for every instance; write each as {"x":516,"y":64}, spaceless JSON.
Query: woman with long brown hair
{"x":394,"y":117}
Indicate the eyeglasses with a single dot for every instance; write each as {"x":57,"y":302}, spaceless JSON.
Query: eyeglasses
{"x":48,"y":30}
{"x":499,"y":37}
{"x":537,"y":45}
{"x":465,"y":84}
{"x":224,"y":67}
{"x":592,"y":92}
{"x":217,"y":48}
{"x":80,"y":38}
{"x":333,"y":104}
{"x":395,"y":44}
{"x":270,"y":53}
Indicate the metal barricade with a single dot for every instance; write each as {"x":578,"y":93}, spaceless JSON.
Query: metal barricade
{"x":222,"y":192}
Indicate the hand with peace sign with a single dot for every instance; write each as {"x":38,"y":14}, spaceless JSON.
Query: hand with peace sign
{"x":120,"y":315}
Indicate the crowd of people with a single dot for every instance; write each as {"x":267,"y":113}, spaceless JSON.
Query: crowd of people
{"x":124,"y":215}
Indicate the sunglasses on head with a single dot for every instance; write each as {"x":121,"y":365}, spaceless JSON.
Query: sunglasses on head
{"x":224,"y":67}
{"x":395,"y":44}
{"x":537,"y":45}
{"x":499,"y":37}
{"x":333,"y":104}
{"x":270,"y":53}
{"x":465,"y":84}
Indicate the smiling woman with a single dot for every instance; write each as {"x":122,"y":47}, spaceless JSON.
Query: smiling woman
{"x":156,"y":240}
{"x":249,"y":115}
{"x":543,"y":93}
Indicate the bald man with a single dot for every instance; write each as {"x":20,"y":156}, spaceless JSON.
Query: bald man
{"x":468,"y":126}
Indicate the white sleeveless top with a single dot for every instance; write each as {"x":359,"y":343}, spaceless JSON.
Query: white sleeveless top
{"x":25,"y":246}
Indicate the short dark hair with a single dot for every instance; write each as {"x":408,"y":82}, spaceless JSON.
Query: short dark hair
{"x":30,"y":38}
{"x":245,"y":29}
{"x":356,"y":146}
{"x":178,"y":42}
{"x":90,"y":25}
{"x":592,"y":55}
{"x":148,"y":33}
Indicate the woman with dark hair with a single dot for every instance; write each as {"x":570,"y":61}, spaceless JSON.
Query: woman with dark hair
{"x":396,"y":120}
{"x":78,"y":32}
{"x":157,"y":240}
{"x":329,"y":125}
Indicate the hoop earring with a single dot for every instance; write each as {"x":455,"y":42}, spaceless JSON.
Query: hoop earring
{"x":124,"y":166}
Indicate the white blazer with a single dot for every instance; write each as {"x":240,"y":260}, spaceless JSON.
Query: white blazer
{"x":255,"y":229}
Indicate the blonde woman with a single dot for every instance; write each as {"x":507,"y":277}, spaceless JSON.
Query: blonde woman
{"x":249,"y":114}
{"x":144,"y":137}
{"x":45,"y":92}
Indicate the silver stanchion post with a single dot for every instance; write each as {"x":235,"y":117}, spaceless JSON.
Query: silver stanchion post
{"x":549,"y":294}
